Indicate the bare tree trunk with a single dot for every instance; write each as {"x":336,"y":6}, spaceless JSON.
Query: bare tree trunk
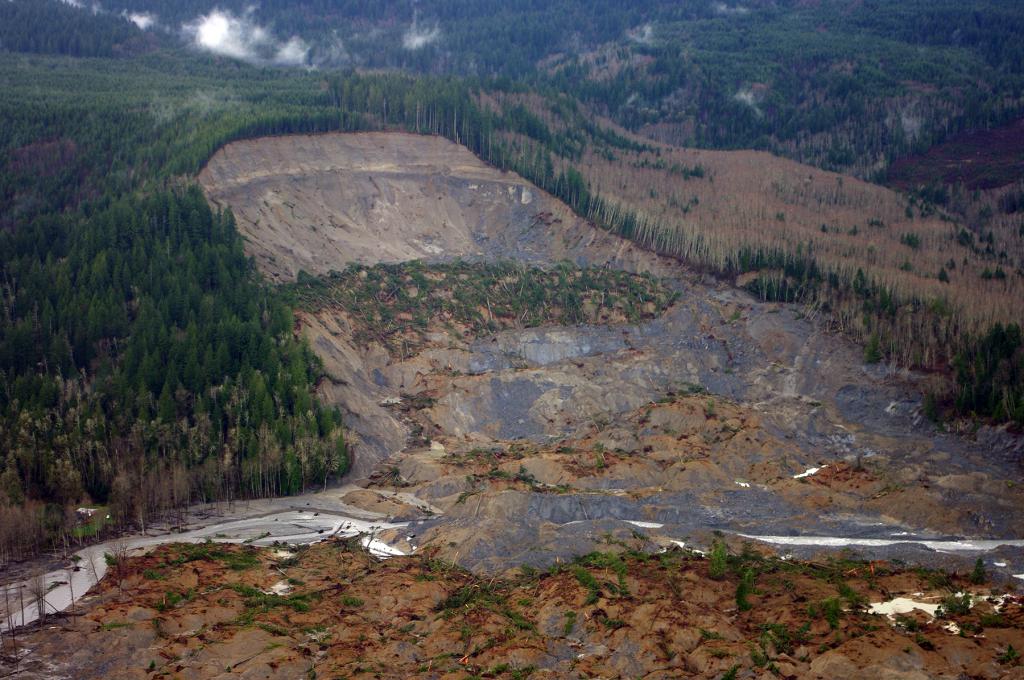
{"x":37,"y":589}
{"x":10,"y":623}
{"x":71,"y":588}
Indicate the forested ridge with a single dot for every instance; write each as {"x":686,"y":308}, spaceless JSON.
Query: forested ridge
{"x":143,"y":364}
{"x":839,"y":84}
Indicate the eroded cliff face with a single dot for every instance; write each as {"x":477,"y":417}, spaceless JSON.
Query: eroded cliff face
{"x":318,"y":203}
{"x":531,"y":444}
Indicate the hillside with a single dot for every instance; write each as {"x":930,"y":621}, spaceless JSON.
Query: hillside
{"x":330,"y":611}
{"x":462,"y":393}
{"x":511,"y":339}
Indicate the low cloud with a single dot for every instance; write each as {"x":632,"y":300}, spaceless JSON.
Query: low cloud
{"x":143,"y":20}
{"x":330,"y":52}
{"x":722,"y":8}
{"x":293,"y":52}
{"x":418,"y":37}
{"x":78,"y":4}
{"x":240,"y":37}
{"x":643,"y":35}
{"x":751,"y":98}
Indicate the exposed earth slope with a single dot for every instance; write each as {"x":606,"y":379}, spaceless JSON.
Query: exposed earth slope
{"x":706,"y":415}
{"x":524,"y":389}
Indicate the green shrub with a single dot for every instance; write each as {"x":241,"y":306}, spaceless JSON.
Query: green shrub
{"x":718,"y":561}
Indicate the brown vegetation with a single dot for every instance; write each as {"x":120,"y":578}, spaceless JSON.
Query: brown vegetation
{"x":979,"y":159}
{"x":713,"y":208}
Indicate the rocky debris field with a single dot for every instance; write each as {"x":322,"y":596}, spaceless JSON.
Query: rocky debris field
{"x":640,"y":473}
{"x":331,"y":610}
{"x":538,"y":383}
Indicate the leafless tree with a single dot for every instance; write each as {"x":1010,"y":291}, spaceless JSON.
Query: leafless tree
{"x":70,"y":570}
{"x":36,"y":586}
{"x":10,"y":622}
{"x":117,"y":558}
{"x":91,"y":566}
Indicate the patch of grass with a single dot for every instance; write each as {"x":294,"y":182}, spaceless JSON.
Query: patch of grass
{"x":172,"y":599}
{"x":570,"y":623}
{"x":518,"y":620}
{"x":758,"y":656}
{"x":852,"y":597}
{"x":465,"y":596}
{"x":97,"y":522}
{"x":349,"y":601}
{"x":993,"y":620}
{"x":587,"y":580}
{"x":955,"y":605}
{"x":831,"y":610}
{"x":908,"y":623}
{"x":935,"y":578}
{"x":782,"y":638}
{"x":611,"y":561}
{"x":612,"y":624}
{"x":258,"y":602}
{"x":718,"y":561}
{"x":744,"y":589}
{"x":273,"y":630}
{"x":236,"y":560}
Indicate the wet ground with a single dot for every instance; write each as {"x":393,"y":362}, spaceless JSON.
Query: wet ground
{"x":800,"y":397}
{"x":724,"y":418}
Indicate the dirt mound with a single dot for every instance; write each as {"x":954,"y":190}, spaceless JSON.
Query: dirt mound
{"x":333,"y":611}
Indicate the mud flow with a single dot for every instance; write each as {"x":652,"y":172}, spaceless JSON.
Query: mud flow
{"x":652,"y":401}
{"x":572,"y":459}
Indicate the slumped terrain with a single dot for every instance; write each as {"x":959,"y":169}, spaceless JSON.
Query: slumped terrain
{"x":532,"y":430}
{"x":585,"y":459}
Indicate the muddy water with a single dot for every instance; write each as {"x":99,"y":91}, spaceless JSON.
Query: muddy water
{"x":272,"y":522}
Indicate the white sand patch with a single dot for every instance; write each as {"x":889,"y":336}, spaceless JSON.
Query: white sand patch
{"x":292,"y":527}
{"x":644,"y":525}
{"x":902,"y":605}
{"x":962,"y":545}
{"x":279,"y":588}
{"x":810,"y":472}
{"x":380,"y":548}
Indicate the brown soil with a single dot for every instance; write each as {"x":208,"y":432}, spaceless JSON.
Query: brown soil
{"x":625,"y":613}
{"x":685,"y":443}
